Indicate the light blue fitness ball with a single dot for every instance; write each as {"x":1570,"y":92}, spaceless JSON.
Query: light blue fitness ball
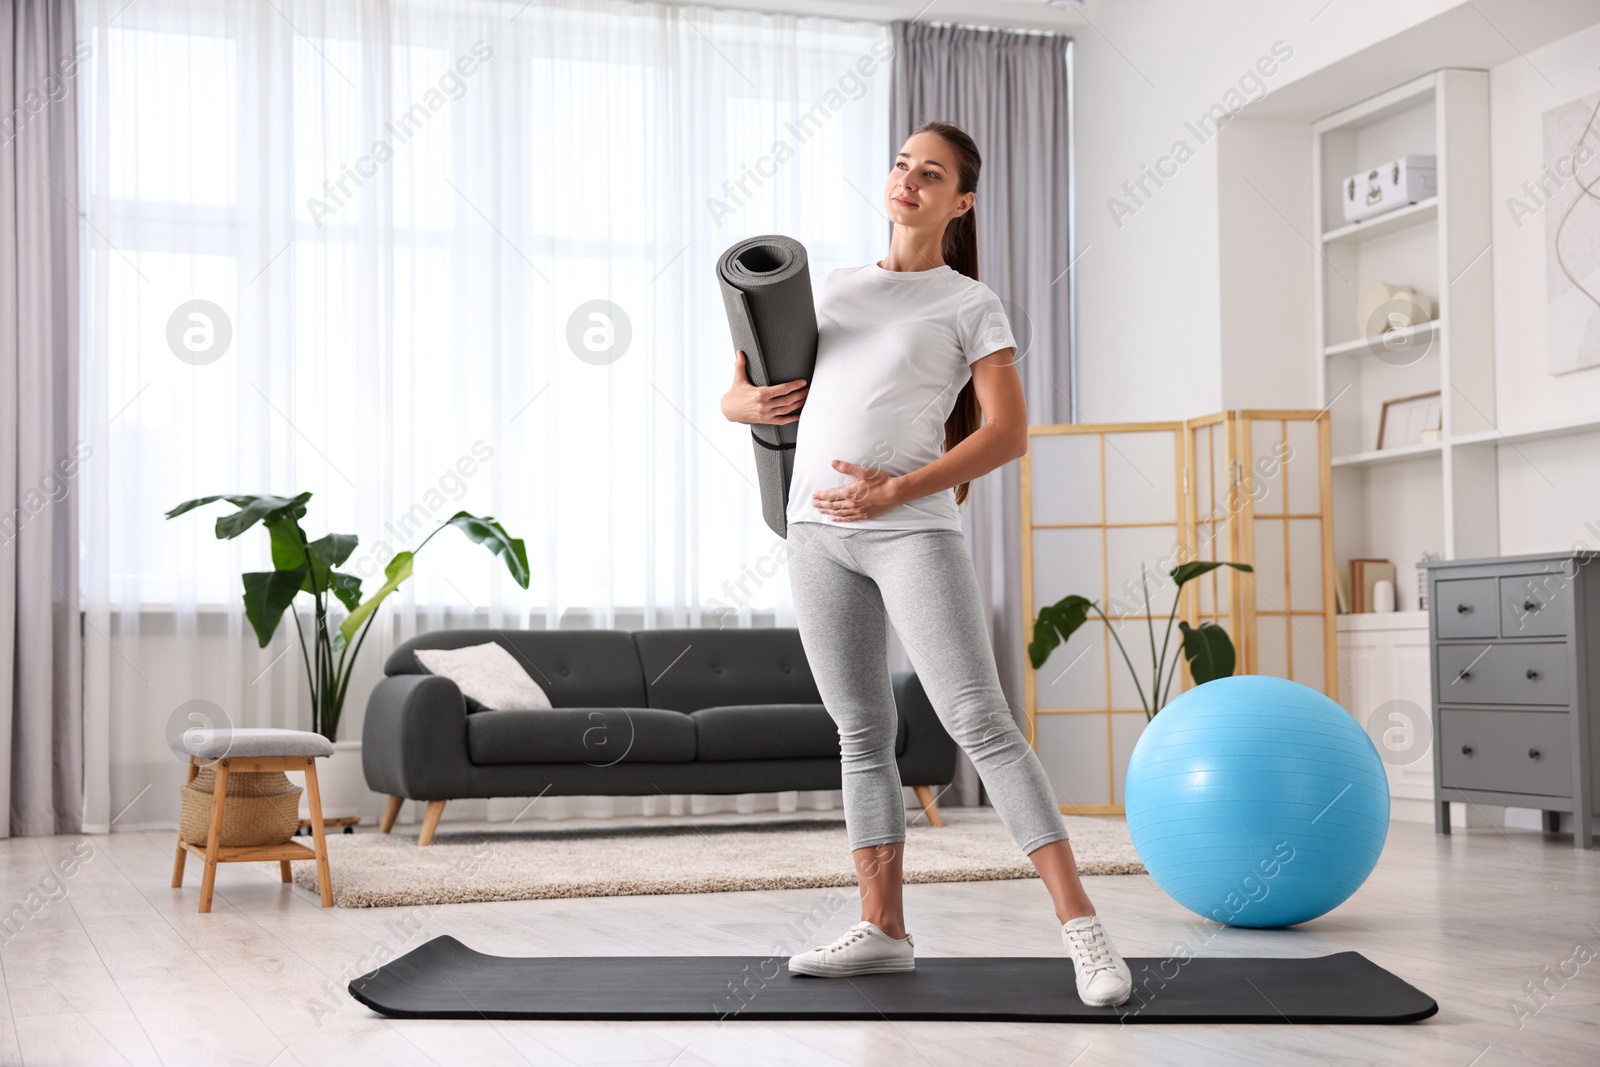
{"x":1256,"y":801}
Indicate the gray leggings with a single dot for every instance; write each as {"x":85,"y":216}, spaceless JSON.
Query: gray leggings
{"x":848,"y":585}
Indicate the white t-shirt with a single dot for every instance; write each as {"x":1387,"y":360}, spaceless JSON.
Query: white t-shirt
{"x":894,"y":349}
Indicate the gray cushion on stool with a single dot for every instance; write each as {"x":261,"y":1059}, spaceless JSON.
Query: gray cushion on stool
{"x":250,"y":741}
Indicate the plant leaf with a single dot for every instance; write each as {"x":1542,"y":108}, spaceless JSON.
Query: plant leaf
{"x":491,"y":535}
{"x":1055,"y":625}
{"x":1044,"y":642}
{"x":239,"y":500}
{"x":327,"y":553}
{"x":334,"y":549}
{"x":347,"y":587}
{"x":1208,"y":650}
{"x":398,"y":570}
{"x":284,"y":530}
{"x":190,"y":505}
{"x":254,"y":509}
{"x":1195,"y":568}
{"x":267,"y":594}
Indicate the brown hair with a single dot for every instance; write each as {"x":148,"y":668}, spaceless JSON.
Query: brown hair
{"x":959,"y":247}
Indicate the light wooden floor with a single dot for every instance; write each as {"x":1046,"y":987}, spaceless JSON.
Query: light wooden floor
{"x":122,"y":969}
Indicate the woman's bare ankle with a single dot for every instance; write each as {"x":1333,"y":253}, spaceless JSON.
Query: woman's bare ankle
{"x":894,"y":928}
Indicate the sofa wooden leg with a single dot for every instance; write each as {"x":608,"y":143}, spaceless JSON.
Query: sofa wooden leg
{"x":390,"y":814}
{"x":430,"y":822}
{"x":929,"y":806}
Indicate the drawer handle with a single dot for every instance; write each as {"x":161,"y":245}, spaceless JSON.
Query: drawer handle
{"x":1466,"y":750}
{"x":1463,"y":608}
{"x":1533,"y":753}
{"x":1532,"y":673}
{"x":1531,"y":605}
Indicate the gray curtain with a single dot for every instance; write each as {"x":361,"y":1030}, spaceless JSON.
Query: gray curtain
{"x":1009,"y":91}
{"x":41,"y":721}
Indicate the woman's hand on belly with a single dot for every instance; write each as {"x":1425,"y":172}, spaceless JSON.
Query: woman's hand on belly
{"x":872,"y":493}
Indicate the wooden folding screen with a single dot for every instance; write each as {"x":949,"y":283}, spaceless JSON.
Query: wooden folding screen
{"x":1109,"y":510}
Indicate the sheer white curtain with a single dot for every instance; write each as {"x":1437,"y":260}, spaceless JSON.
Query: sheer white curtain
{"x":450,"y":255}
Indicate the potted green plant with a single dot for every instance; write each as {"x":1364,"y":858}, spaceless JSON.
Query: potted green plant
{"x":1206,"y":647}
{"x":300,"y":565}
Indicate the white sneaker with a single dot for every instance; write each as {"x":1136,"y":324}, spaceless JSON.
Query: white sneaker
{"x":863,"y":949}
{"x":1103,"y":978}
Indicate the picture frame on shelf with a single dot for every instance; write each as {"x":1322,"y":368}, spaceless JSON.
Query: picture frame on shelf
{"x":1405,"y":420}
{"x":1365,"y":573}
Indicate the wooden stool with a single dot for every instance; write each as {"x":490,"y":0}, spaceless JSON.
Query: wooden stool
{"x":254,"y":750}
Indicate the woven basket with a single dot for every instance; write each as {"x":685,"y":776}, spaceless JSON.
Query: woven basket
{"x":261,"y":808}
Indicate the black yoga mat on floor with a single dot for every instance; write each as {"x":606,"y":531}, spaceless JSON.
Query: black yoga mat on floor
{"x":766,"y":290}
{"x":445,"y":979}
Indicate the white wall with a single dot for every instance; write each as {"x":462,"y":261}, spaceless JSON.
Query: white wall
{"x":1549,"y":489}
{"x":1201,"y":297}
{"x":1150,"y":326}
{"x":1265,"y":265}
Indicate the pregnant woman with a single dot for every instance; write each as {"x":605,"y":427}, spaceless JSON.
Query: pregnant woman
{"x":913,"y":396}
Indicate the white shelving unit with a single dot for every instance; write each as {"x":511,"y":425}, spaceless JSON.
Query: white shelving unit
{"x":1388,"y":455}
{"x":1409,"y":335}
{"x":1530,"y":433}
{"x":1440,"y":495}
{"x":1382,"y":225}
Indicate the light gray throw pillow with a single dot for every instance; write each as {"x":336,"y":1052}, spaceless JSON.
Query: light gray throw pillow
{"x":488,"y":675}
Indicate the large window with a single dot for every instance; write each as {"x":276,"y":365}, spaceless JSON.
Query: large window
{"x":378,"y":252}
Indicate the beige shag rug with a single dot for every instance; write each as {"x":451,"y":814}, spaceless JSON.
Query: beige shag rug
{"x":372,"y":870}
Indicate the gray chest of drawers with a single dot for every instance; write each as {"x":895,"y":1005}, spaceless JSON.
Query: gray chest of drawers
{"x":1516,"y":685}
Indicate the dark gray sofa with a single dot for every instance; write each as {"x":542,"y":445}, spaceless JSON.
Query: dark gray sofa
{"x":635,"y":713}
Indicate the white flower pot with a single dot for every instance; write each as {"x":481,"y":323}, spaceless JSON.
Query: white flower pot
{"x":340,"y":781}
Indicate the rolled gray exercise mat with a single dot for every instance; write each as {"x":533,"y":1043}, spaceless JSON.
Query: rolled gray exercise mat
{"x":766,"y":288}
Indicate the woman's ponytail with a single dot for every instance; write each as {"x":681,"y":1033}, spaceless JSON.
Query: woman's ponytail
{"x":960,"y":249}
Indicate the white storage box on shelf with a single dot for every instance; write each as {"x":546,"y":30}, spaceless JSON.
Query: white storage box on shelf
{"x":1399,"y":182}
